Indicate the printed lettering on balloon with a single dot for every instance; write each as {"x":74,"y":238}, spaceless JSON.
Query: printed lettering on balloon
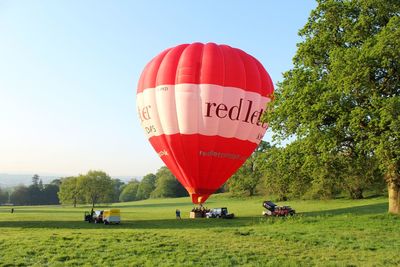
{"x":163,"y":153}
{"x":243,"y":111}
{"x":217,"y":154}
{"x":144,"y":114}
{"x":150,"y":129}
{"x":163,"y":88}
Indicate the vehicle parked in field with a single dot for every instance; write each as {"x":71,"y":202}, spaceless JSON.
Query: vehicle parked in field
{"x":274,"y":210}
{"x":111,"y":216}
{"x":103,"y":216}
{"x":219,"y":213}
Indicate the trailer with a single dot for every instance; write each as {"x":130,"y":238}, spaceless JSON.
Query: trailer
{"x":103,"y":216}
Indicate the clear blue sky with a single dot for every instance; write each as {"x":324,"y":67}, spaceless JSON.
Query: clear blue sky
{"x":69,"y":70}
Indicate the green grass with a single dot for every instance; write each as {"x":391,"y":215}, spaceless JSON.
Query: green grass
{"x":324,"y":233}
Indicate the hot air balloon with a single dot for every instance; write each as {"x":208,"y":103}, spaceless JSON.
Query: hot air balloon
{"x":200,"y":106}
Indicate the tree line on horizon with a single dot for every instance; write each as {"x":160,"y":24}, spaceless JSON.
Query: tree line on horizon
{"x":98,"y":187}
{"x":92,"y":188}
{"x":281,"y":173}
{"x":36,"y":193}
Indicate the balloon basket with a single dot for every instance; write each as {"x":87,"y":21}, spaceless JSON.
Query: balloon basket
{"x":196,"y":214}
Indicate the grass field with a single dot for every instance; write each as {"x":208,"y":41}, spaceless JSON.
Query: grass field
{"x":324,"y":233}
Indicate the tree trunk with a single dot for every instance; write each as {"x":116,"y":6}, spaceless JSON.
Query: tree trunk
{"x":356,"y":193}
{"x":282,"y":197}
{"x":394,"y":198}
{"x":252,"y":191}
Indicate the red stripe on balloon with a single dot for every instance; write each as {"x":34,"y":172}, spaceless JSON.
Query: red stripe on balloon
{"x":202,"y":163}
{"x":206,"y":64}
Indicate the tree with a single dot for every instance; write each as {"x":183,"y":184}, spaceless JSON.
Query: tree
{"x":146,"y":186}
{"x":35,"y":180}
{"x":118,"y":186}
{"x":70,"y":192}
{"x":167,"y":185}
{"x":359,"y":174}
{"x":40,"y":185}
{"x":34,"y":195}
{"x":342,"y":97}
{"x":56,"y":182}
{"x":247,"y":178}
{"x":96,"y":187}
{"x":50,"y":194}
{"x":283,"y":174}
{"x":35,"y":191}
{"x":20,"y":195}
{"x":129,"y":192}
{"x":3,"y":196}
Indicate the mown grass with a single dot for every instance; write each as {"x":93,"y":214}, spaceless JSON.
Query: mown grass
{"x":324,"y":233}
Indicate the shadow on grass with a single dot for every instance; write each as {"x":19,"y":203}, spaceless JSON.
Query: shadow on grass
{"x":380,"y":208}
{"x":61,"y":209}
{"x":136,"y":224}
{"x":41,"y":211}
{"x":359,"y":210}
{"x":155,"y":205}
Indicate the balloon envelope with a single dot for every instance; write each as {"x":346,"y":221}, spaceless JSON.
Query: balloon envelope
{"x":200,"y":106}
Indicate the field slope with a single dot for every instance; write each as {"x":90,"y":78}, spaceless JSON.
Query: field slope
{"x":325,"y":233}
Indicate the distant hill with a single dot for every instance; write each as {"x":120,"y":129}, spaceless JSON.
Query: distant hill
{"x":10,"y":180}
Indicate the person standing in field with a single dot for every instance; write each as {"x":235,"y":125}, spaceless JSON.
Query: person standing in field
{"x":178,"y":214}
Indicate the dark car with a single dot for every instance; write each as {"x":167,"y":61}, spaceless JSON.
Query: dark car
{"x":274,"y":210}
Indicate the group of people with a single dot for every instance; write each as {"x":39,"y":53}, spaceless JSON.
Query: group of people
{"x":202,"y":210}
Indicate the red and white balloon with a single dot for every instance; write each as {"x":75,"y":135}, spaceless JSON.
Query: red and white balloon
{"x":200,"y":106}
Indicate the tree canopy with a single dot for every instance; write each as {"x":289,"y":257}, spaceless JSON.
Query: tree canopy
{"x":248,"y":177}
{"x":70,"y":191}
{"x":167,"y":185}
{"x":36,"y":193}
{"x":129,"y":192}
{"x":146,"y":186}
{"x":342,"y":97}
{"x":96,"y":186}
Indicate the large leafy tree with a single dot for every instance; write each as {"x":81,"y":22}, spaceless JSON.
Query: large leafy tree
{"x":342,"y":97}
{"x":247,"y":178}
{"x":167,"y":185}
{"x":129,"y":191}
{"x":96,"y":187}
{"x":70,"y":192}
{"x":118,"y":188}
{"x":286,"y":173}
{"x":146,"y":186}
